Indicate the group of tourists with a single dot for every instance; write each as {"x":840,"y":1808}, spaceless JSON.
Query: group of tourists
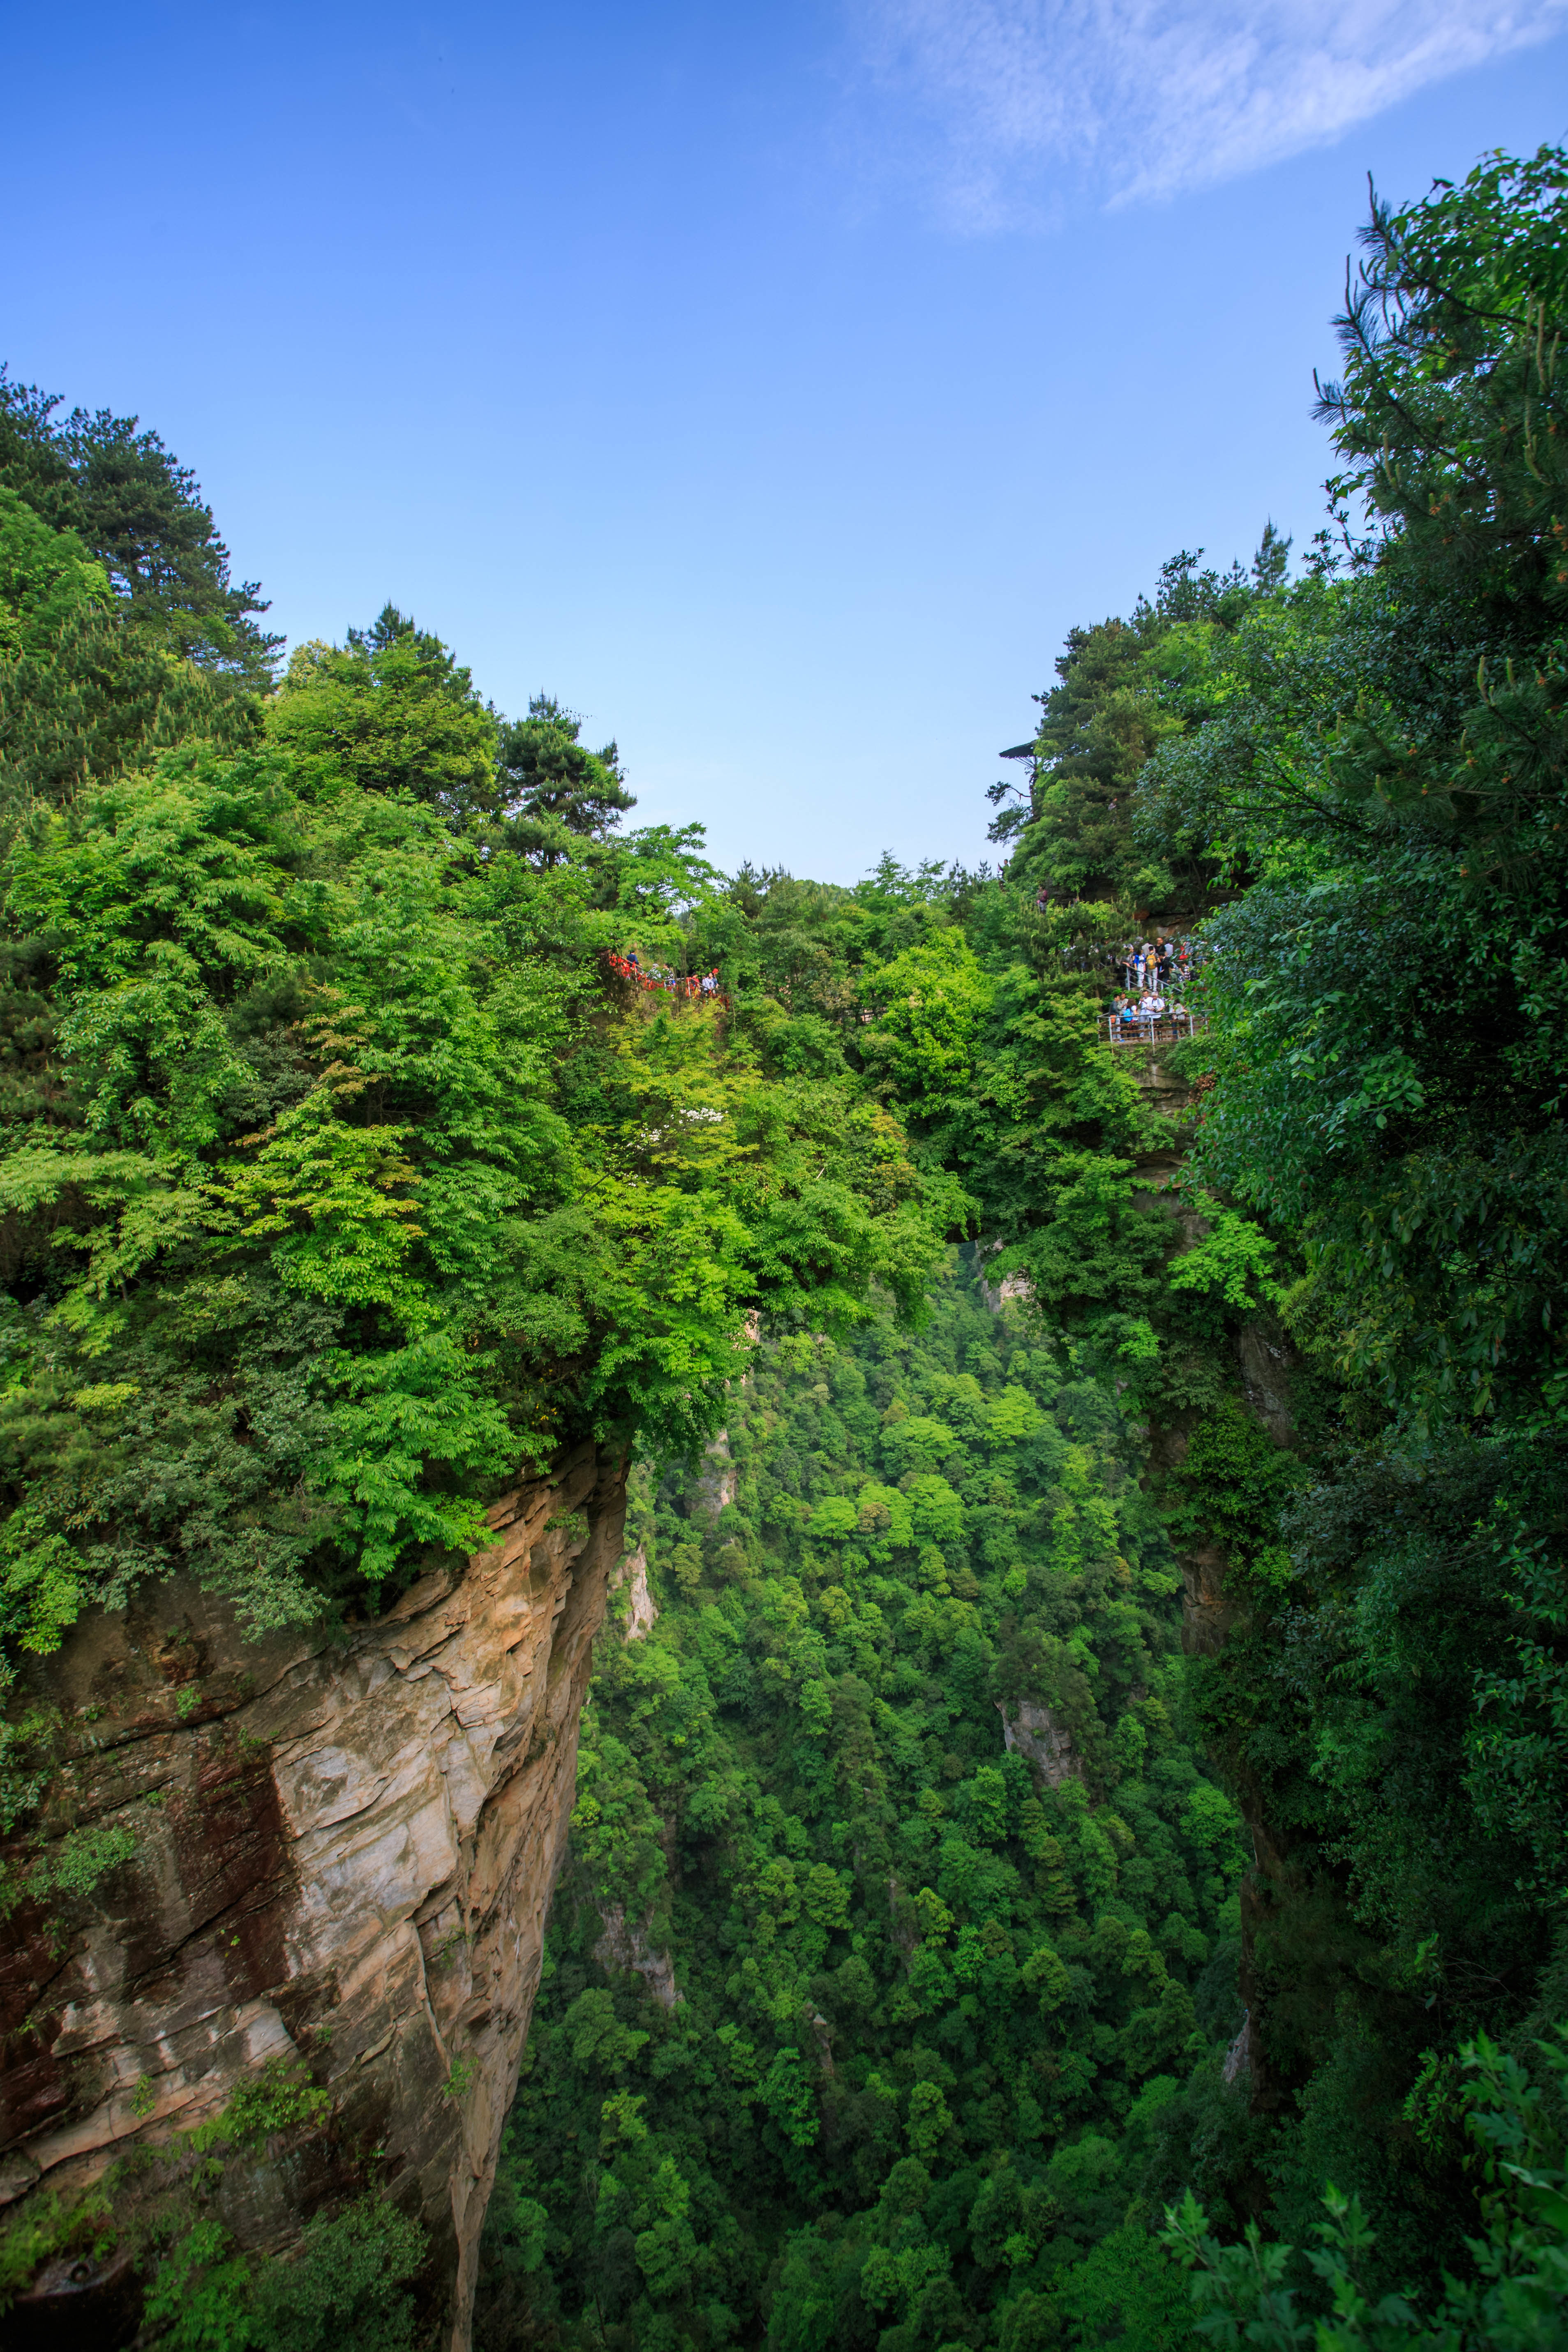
{"x":1157,"y":975}
{"x":1157,"y":966}
{"x":661,"y":976}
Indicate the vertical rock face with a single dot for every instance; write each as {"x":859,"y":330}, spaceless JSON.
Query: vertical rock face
{"x":641,"y":1608}
{"x":1208,"y":1608}
{"x":716,"y":1486}
{"x":344,"y":1848}
{"x":1267,"y":1360}
{"x":1033,"y":1731}
{"x":624,"y":1945}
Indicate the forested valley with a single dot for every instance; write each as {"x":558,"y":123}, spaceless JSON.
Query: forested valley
{"x":1071,"y":1831}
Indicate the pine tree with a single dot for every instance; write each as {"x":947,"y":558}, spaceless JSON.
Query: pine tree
{"x":84,"y":692}
{"x":558,"y":794}
{"x":141,"y":513}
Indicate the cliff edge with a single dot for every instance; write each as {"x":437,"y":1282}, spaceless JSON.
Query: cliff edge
{"x":344,"y":1846}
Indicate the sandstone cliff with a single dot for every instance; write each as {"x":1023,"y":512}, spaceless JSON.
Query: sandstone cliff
{"x":344,"y":1848}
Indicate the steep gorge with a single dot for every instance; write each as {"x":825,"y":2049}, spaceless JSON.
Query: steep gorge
{"x":898,"y":1981}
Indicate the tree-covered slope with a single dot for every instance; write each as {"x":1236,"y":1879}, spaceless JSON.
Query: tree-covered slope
{"x":939,"y":2019}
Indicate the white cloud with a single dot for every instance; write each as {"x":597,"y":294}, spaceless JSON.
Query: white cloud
{"x":1144,"y":100}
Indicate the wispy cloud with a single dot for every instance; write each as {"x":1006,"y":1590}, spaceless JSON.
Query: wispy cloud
{"x":1144,"y":98}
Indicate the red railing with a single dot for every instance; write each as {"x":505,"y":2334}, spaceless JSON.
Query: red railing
{"x":681,"y":985}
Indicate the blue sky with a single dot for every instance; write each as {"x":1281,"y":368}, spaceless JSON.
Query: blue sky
{"x":774,"y":384}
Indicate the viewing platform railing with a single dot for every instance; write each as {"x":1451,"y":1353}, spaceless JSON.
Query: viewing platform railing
{"x":1152,"y":1028}
{"x":683,"y":986}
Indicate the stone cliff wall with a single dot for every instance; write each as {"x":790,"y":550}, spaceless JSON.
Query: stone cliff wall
{"x":345,"y":1852}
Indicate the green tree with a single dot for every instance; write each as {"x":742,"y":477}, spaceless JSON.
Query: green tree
{"x":392,"y":711}
{"x":559,"y":797}
{"x":85,"y":691}
{"x":140,"y":513}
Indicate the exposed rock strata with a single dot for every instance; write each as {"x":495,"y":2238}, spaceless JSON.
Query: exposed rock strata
{"x":345,"y":1848}
{"x":641,"y":1608}
{"x":716,"y":1483}
{"x":623,"y":1945}
{"x":1033,"y":1732}
{"x":1208,"y":1605}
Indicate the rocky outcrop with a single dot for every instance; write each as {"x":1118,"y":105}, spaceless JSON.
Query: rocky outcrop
{"x":625,"y":1945}
{"x":995,"y":1296}
{"x":1159,"y":1085}
{"x":1033,"y":1732}
{"x":641,"y":1608}
{"x":1239,"y":2055}
{"x":1012,"y":1285}
{"x":1267,"y":1360}
{"x":716,"y":1483}
{"x":1208,"y":1606}
{"x":344,"y":1848}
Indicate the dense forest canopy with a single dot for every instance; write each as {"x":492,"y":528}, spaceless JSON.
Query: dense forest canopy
{"x":1094,"y":1783}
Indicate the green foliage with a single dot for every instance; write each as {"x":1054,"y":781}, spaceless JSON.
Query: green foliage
{"x":1126,"y":688}
{"x":49,"y":2228}
{"x":338,"y":1182}
{"x":1379,"y":750}
{"x":346,"y":2284}
{"x":278,"y":2097}
{"x":1127,"y":2292}
{"x":85,"y":690}
{"x":200,"y":2297}
{"x":937,"y":995}
{"x":928,"y":2008}
{"x":1230,"y":1487}
{"x":558,"y":795}
{"x":1389,"y":759}
{"x":1005,"y":2002}
{"x":82,"y":1857}
{"x":336,"y":1192}
{"x":1231,"y":1264}
{"x":392,"y":711}
{"x":24,"y":1765}
{"x":115,"y":486}
{"x":1519,"y":1743}
{"x":345,"y":2281}
{"x":1518,"y":2300}
{"x":596,"y":2040}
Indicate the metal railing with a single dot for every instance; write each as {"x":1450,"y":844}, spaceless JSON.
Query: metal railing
{"x":1151,"y":1028}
